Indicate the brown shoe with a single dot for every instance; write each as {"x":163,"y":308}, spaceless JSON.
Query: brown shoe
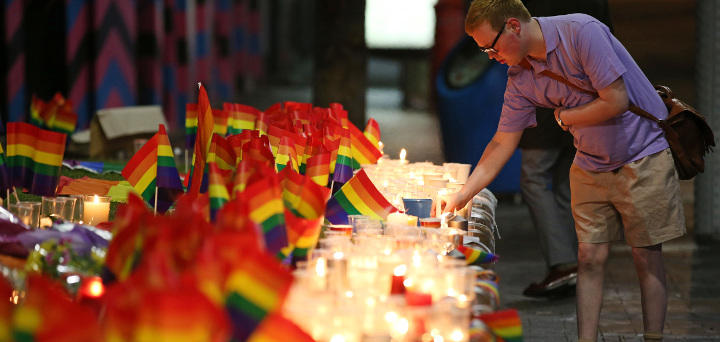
{"x":556,"y":283}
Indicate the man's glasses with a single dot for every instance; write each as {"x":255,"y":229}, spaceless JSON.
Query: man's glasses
{"x":492,"y":47}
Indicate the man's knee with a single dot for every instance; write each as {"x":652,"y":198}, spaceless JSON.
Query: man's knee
{"x":592,"y":256}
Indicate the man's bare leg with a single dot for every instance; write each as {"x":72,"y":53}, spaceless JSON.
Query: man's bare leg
{"x":653,"y":292}
{"x":589,"y":291}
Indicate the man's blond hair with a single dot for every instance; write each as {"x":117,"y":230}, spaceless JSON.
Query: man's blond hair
{"x":495,"y":12}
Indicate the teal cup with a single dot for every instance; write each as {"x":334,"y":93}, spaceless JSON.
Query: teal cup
{"x":419,"y":207}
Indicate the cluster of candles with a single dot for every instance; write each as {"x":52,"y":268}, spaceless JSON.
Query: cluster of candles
{"x":90,"y":210}
{"x":397,"y":179}
{"x":391,"y":280}
{"x":395,"y":282}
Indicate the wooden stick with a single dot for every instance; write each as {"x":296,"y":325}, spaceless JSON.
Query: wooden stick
{"x":155,"y":206}
{"x":186,"y":161}
{"x":17,"y":199}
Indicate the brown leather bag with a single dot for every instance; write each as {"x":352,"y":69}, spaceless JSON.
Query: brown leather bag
{"x":686,"y":131}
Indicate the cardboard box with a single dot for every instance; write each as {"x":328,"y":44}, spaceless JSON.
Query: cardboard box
{"x":115,"y":131}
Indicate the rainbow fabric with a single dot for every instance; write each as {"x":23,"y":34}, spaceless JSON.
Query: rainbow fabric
{"x":276,"y":328}
{"x":241,"y":117}
{"x":220,"y":121}
{"x":475,"y":256}
{"x":168,"y":178}
{"x":217,"y":188}
{"x":286,"y":155}
{"x":318,"y":168}
{"x":262,"y":123}
{"x":191,"y":123}
{"x":255,"y":288}
{"x":34,"y":157}
{"x":372,"y":132}
{"x":63,"y":119}
{"x":221,"y":153}
{"x":153,"y":166}
{"x":490,"y":286}
{"x":357,"y":197}
{"x":37,"y":109}
{"x":265,"y":203}
{"x":303,"y":234}
{"x":203,"y":138}
{"x":505,"y":324}
{"x":363,"y":151}
{"x":302,"y":196}
{"x":344,"y":161}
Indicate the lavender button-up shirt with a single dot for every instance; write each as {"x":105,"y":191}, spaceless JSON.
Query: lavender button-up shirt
{"x":583,"y":51}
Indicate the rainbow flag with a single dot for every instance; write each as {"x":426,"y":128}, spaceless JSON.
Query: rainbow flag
{"x":4,"y":175}
{"x":262,"y":122}
{"x":37,"y":110}
{"x":191,"y":123}
{"x":182,"y":314}
{"x":286,"y":155}
{"x":474,"y":256}
{"x":168,"y":177}
{"x":206,"y":125}
{"x":303,"y":235}
{"x":363,"y":151}
{"x":357,"y":197}
{"x":241,"y":118}
{"x":318,"y":168}
{"x":217,"y":188}
{"x":220,"y":119}
{"x":255,"y":288}
{"x":372,"y":132}
{"x":505,"y":324}
{"x":302,"y":196}
{"x":276,"y":328}
{"x":63,"y":119}
{"x":249,"y":171}
{"x":492,"y":287}
{"x":34,"y":157}
{"x":258,"y":150}
{"x":153,"y":167}
{"x":265,"y":203}
{"x":344,"y":162}
{"x":221,"y":153}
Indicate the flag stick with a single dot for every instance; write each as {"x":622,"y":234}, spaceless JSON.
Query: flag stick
{"x":17,"y":199}
{"x":186,"y":160}
{"x":7,"y":197}
{"x":155,"y":206}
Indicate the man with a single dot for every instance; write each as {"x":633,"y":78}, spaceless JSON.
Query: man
{"x":546,"y":155}
{"x":622,"y":180}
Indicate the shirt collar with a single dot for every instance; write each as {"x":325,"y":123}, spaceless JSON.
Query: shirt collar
{"x":550,"y":35}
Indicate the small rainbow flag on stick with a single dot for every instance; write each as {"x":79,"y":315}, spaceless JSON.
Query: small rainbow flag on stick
{"x":344,"y":162}
{"x":203,"y":138}
{"x":221,"y":153}
{"x":372,"y":132}
{"x":256,"y":287}
{"x":505,"y":324}
{"x":153,"y":169}
{"x":191,"y":123}
{"x":265,"y":203}
{"x":475,"y":256}
{"x":363,"y":151}
{"x":217,"y":189}
{"x":318,"y":168}
{"x":34,"y":157}
{"x":357,"y":197}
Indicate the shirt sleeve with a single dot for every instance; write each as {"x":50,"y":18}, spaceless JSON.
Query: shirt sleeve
{"x":597,"y":56}
{"x":518,"y":112}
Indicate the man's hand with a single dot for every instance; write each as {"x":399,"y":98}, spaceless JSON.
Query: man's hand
{"x":559,"y":120}
{"x":454,"y":202}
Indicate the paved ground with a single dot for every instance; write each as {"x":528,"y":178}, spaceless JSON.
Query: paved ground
{"x":694,"y":294}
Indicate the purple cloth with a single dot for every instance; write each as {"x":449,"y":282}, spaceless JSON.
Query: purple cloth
{"x":583,"y":51}
{"x":81,"y":238}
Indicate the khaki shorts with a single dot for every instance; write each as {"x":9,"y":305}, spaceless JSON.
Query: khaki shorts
{"x":640,"y":201}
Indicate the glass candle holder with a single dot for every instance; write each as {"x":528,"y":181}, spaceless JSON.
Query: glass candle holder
{"x":96,"y":209}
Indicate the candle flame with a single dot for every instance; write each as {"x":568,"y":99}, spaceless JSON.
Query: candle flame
{"x":400,"y":270}
{"x":380,"y":145}
{"x":96,"y":199}
{"x":403,"y":153}
{"x":320,"y":267}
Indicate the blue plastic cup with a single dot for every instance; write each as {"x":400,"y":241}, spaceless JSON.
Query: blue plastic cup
{"x":419,"y":207}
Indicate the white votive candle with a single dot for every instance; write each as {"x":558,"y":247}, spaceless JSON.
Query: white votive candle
{"x":96,"y":209}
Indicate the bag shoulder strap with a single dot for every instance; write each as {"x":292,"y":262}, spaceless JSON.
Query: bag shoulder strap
{"x":633,"y":108}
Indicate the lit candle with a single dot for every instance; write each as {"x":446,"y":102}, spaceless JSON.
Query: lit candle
{"x":403,"y":154}
{"x":96,"y":209}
